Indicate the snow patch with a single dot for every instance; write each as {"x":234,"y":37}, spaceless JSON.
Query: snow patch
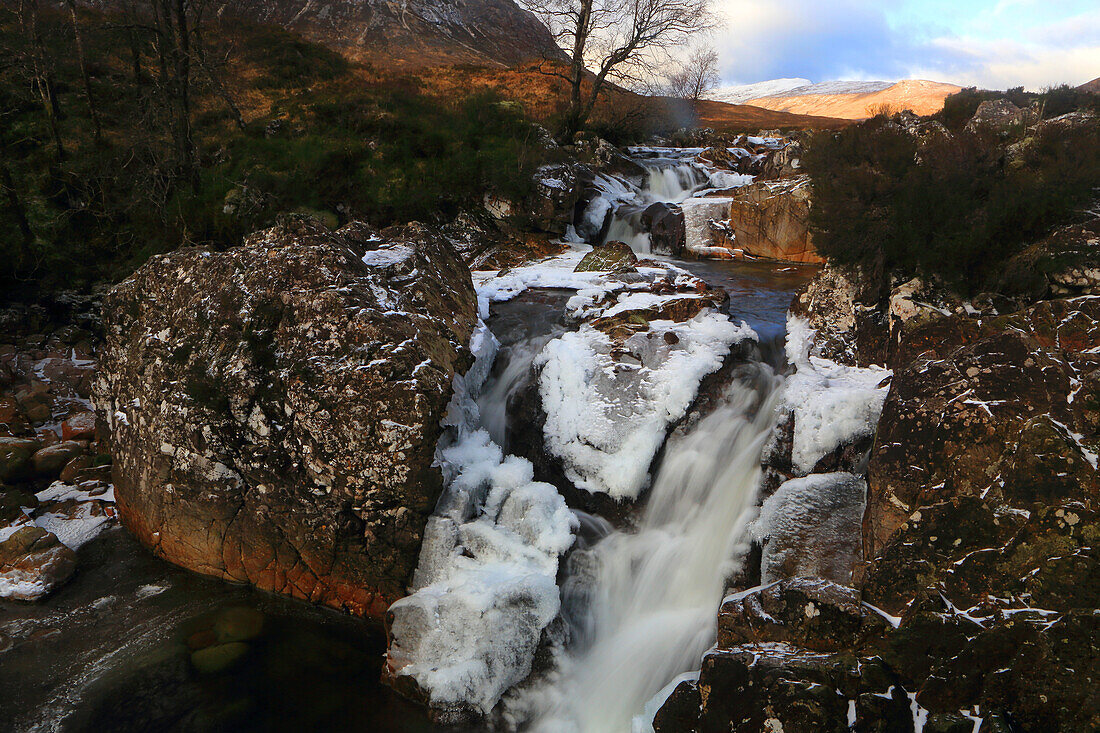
{"x":832,"y":404}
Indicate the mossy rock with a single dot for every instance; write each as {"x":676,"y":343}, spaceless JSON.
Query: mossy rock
{"x":616,"y":257}
{"x":218,"y":658}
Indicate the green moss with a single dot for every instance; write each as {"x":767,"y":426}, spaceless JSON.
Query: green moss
{"x":333,"y":144}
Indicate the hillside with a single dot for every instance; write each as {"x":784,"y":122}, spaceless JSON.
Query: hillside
{"x":1091,"y":86}
{"x":744,"y":117}
{"x":405,"y":35}
{"x":921,"y":96}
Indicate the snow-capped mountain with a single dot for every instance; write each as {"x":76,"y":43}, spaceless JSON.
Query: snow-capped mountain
{"x":839,"y":99}
{"x":739,"y":94}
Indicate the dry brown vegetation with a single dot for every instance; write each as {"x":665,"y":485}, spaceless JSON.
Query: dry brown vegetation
{"x":918,"y":95}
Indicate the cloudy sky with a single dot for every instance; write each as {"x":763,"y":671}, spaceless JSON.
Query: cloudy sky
{"x":988,"y":43}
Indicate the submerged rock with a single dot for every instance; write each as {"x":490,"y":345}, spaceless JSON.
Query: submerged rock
{"x":274,"y":409}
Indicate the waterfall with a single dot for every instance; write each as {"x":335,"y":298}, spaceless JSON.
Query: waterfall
{"x":652,"y":593}
{"x":667,"y":181}
{"x":673,"y":183}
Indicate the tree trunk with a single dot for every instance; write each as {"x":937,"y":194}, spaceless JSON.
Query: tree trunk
{"x":215,"y":81}
{"x":97,"y":128}
{"x":573,"y":121}
{"x":19,"y":213}
{"x":135,"y":55}
{"x":42,"y":75}
{"x":185,"y":143}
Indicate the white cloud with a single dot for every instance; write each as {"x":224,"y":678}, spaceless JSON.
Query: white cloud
{"x":853,"y":39}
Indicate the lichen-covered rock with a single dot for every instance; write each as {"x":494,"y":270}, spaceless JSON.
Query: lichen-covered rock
{"x":840,"y":305}
{"x":1066,"y":262}
{"x":984,"y":408}
{"x":775,"y":687}
{"x":1001,"y":115}
{"x":811,"y":613}
{"x":273,"y":409}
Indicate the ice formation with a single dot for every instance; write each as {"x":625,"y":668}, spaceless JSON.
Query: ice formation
{"x":606,"y":415}
{"x":832,"y":404}
{"x":485,"y":586}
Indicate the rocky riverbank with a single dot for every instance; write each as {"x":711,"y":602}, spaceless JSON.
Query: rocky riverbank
{"x":964,"y":591}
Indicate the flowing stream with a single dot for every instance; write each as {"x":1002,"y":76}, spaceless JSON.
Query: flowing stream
{"x":670,"y":178}
{"x":110,"y":651}
{"x":641,"y":603}
{"x":653,"y":593}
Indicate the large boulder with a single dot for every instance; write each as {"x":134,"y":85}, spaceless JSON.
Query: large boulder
{"x":992,"y":408}
{"x":273,"y":409}
{"x":762,"y":220}
{"x":768,"y":219}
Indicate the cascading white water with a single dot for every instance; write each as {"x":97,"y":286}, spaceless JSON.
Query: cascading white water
{"x":665,"y":182}
{"x":673,"y":183}
{"x":654,"y":592}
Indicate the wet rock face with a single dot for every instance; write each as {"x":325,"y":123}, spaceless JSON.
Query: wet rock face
{"x":665,"y":223}
{"x":274,"y":408}
{"x":768,"y":220}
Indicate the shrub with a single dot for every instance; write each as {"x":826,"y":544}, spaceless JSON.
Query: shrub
{"x":323,"y":137}
{"x":954,"y":207}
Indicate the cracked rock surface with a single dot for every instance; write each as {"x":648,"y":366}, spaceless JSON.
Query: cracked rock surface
{"x":274,"y":408}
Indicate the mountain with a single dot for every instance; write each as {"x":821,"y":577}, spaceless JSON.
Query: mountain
{"x":856,"y":100}
{"x":403,"y":33}
{"x":1091,"y":86}
{"x":741,"y":93}
{"x":744,"y":118}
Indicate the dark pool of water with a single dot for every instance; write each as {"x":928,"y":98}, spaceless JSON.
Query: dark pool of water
{"x":112,"y":651}
{"x":760,"y":292}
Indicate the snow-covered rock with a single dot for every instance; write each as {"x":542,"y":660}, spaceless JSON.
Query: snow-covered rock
{"x":274,"y":408}
{"x":810,"y":527}
{"x":832,"y":404}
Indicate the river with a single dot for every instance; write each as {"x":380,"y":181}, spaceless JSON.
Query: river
{"x":110,"y":650}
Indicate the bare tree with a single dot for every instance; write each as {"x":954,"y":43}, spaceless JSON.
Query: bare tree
{"x":697,"y":76}
{"x":41,"y":70}
{"x":614,"y":38}
{"x":173,"y":34}
{"x":93,"y":111}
